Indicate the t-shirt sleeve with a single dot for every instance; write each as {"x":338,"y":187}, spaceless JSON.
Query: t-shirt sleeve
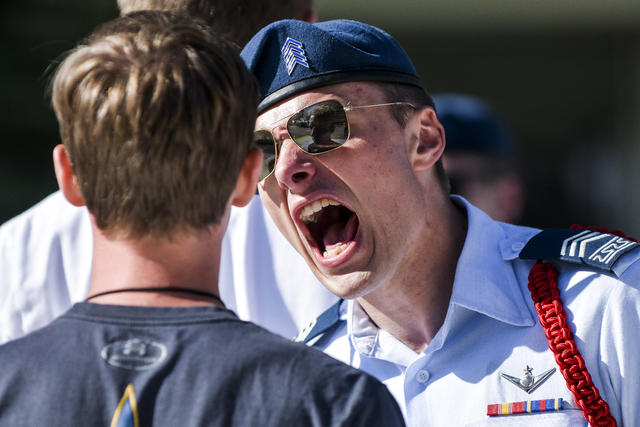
{"x":348,"y":397}
{"x":375,"y":406}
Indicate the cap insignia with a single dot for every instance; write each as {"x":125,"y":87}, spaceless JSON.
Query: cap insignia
{"x":293,"y":54}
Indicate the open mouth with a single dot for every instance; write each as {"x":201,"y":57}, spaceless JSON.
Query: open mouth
{"x":332,"y":226}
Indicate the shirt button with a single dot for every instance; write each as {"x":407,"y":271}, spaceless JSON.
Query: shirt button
{"x":422,"y":376}
{"x":517,"y":246}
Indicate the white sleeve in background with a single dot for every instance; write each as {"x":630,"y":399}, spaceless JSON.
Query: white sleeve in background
{"x":45,"y":265}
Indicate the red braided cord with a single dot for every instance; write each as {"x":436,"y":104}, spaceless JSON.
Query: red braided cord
{"x":543,"y":285}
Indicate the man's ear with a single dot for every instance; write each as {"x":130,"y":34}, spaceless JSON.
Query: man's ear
{"x":65,"y":177}
{"x":427,"y":139}
{"x":248,"y":178}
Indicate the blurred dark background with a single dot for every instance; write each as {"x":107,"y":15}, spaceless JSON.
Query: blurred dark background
{"x":33,"y":35}
{"x":564,"y":75}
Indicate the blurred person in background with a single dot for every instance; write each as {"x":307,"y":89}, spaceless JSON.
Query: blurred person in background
{"x":235,"y":21}
{"x":479,"y":156}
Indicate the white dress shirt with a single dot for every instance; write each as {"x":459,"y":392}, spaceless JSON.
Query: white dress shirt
{"x":491,"y":327}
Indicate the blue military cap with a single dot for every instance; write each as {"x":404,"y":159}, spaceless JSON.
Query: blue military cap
{"x":471,"y":125}
{"x":290,"y":56}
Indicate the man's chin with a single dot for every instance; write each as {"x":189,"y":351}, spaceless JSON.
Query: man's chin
{"x":348,"y":285}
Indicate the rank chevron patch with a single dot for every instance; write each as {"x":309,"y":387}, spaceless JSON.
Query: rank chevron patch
{"x":593,"y":248}
{"x":126,"y":414}
{"x":605,"y":246}
{"x":293,"y":54}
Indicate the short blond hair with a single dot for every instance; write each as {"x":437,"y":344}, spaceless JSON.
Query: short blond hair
{"x":235,"y":20}
{"x":157,"y":117}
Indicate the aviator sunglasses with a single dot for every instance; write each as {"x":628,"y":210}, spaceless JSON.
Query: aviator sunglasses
{"x":316,"y":129}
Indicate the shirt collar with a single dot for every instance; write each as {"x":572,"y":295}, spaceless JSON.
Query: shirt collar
{"x":362,"y":331}
{"x":485,"y":280}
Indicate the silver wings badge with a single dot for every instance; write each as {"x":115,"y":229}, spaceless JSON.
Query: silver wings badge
{"x":528,"y":382}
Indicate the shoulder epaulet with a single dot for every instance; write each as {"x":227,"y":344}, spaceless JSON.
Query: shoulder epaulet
{"x":321,"y":324}
{"x":593,"y":248}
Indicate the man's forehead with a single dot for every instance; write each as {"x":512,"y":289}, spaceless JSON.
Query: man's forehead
{"x":351,"y":93}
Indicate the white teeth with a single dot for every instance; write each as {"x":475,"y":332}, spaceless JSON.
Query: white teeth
{"x":308,"y":213}
{"x":335,"y":251}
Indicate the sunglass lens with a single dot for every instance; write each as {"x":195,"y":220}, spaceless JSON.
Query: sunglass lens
{"x":264,"y":140}
{"x":319,"y":127}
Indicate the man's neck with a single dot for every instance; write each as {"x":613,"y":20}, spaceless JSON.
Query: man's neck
{"x":413,"y":304}
{"x":189,"y":260}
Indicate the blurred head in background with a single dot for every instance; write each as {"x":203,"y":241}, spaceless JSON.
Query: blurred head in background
{"x":479,"y":156}
{"x":234,"y":20}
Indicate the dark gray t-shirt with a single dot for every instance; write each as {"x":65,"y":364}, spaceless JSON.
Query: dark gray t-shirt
{"x":106,"y":365}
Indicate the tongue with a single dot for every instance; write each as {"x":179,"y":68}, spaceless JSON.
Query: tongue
{"x":339,"y":233}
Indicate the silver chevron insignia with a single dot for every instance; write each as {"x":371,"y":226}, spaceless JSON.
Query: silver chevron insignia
{"x":579,"y":243}
{"x":293,"y":54}
{"x":528,"y":382}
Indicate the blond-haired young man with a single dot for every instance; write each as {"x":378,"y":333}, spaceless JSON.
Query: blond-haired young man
{"x":45,"y":253}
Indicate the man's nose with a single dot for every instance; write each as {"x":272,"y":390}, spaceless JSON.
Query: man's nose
{"x":294,"y":168}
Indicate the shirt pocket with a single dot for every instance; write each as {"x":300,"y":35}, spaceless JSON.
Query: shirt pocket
{"x":564,"y":418}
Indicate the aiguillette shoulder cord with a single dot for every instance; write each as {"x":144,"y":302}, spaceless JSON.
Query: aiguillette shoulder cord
{"x":543,"y":285}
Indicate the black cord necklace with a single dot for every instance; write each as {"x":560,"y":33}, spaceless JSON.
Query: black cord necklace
{"x":161,"y":289}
